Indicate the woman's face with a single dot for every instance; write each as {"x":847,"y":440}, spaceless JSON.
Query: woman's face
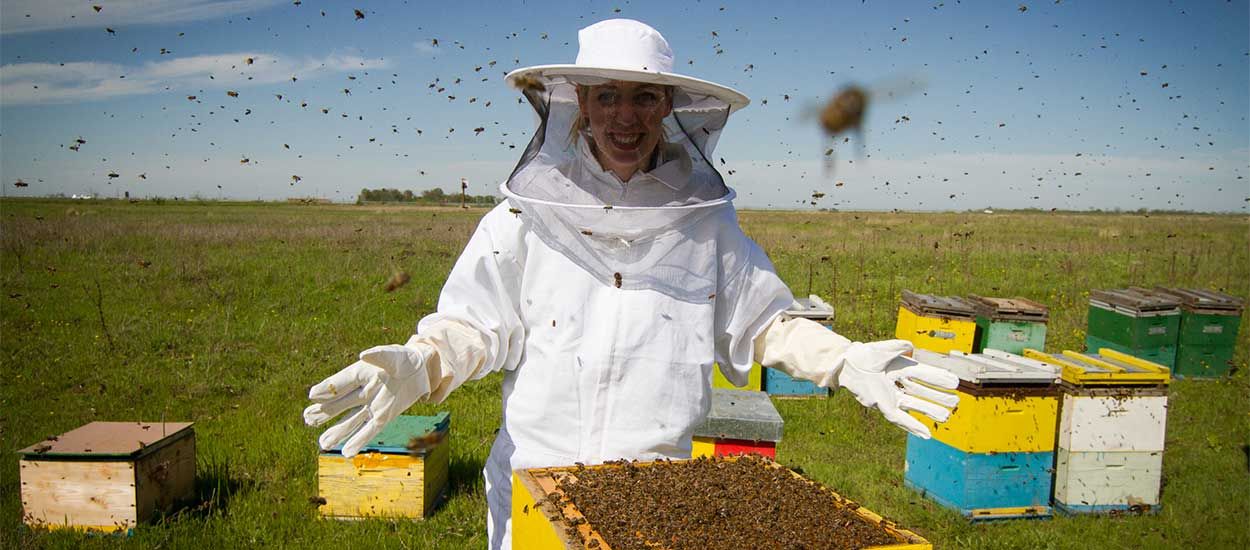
{"x":625,"y":122}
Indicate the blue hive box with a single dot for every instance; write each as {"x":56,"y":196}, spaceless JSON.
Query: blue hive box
{"x":980,"y":485}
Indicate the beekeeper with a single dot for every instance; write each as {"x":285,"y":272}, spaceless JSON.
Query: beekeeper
{"x":609,"y":283}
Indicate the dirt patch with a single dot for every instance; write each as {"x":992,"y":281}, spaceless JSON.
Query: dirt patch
{"x":716,"y":503}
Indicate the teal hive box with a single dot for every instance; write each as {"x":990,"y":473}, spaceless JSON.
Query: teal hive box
{"x":1009,"y":324}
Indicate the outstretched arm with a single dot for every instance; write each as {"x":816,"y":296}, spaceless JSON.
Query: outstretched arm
{"x":878,"y":373}
{"x":475,"y":331}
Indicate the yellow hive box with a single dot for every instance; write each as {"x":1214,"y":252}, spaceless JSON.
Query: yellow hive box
{"x":1108,"y":367}
{"x":544,"y":528}
{"x":937,"y":323}
{"x":401,"y":473}
{"x":753,"y":379}
{"x":1007,"y":403}
{"x":108,"y":476}
{"x":1011,"y":421}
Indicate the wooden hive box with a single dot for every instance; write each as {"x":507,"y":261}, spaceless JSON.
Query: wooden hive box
{"x":738,"y":422}
{"x":1208,"y":333}
{"x":1009,"y":324}
{"x":992,"y":459}
{"x":1136,"y":321}
{"x":401,"y":473}
{"x":936,"y":323}
{"x":1112,"y":429}
{"x":548,"y":527}
{"x":108,"y":476}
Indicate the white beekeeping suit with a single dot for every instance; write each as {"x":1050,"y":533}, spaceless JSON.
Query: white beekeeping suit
{"x":607,"y":303}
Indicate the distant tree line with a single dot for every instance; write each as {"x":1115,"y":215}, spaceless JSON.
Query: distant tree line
{"x":428,"y":196}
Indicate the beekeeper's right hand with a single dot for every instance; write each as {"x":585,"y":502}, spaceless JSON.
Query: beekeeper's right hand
{"x":381,"y":385}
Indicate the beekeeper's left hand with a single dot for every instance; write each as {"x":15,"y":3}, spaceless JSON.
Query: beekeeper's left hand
{"x":880,"y":375}
{"x":381,"y":385}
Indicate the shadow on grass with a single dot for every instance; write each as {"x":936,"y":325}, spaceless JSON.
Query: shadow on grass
{"x":214,"y":488}
{"x":464,"y":476}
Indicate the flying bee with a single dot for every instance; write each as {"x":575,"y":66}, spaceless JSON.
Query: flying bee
{"x":400,"y":278}
{"x":419,"y":444}
{"x":845,"y":111}
{"x":529,"y":83}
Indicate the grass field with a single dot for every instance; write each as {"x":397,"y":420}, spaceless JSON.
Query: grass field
{"x":225,"y":314}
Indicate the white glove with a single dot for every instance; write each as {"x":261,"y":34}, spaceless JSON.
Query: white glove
{"x":381,"y":385}
{"x":878,"y":374}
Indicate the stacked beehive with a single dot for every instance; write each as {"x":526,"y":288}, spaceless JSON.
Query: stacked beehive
{"x":1009,"y":324}
{"x":401,"y":473}
{"x":1112,"y":423}
{"x":1208,"y":331}
{"x":992,"y":458}
{"x":936,"y":323}
{"x":1135,"y":321}
{"x":739,"y":422}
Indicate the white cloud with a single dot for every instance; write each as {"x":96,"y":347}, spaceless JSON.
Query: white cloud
{"x":29,"y":83}
{"x":425,"y":47}
{"x":40,"y":15}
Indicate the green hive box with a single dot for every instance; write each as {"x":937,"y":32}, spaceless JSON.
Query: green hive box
{"x":1009,"y":324}
{"x":1136,"y":321}
{"x":1208,"y":331}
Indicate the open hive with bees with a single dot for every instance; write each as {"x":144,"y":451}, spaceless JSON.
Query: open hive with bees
{"x":724,"y":502}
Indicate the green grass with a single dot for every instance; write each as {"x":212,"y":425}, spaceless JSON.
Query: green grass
{"x":225,"y":314}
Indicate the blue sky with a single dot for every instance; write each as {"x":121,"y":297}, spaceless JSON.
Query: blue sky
{"x":993,"y":106}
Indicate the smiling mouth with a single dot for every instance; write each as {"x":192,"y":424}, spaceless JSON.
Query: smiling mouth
{"x":625,"y":142}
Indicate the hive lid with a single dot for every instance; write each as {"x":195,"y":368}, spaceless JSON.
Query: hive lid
{"x":738,"y":414}
{"x":109,"y":440}
{"x":1010,"y":309}
{"x":993,"y":367}
{"x":423,"y":432}
{"x":1105,"y":367}
{"x":1135,"y":301}
{"x":1207,"y":301}
{"x":811,"y":307}
{"x":945,"y":306}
